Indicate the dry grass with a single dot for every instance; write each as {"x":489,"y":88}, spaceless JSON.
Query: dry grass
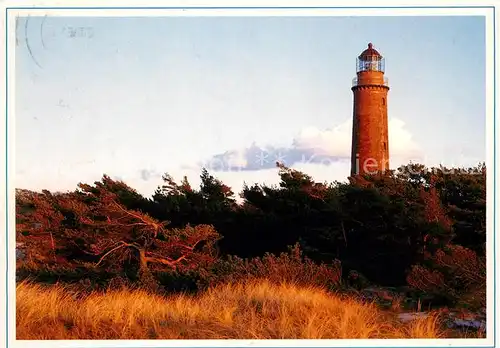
{"x":252,"y":310}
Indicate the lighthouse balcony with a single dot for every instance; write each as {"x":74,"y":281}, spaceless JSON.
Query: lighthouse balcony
{"x":355,"y":82}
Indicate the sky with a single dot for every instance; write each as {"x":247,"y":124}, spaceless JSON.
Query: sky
{"x":136,"y":97}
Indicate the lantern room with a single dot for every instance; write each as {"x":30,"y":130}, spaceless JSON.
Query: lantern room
{"x":370,"y":60}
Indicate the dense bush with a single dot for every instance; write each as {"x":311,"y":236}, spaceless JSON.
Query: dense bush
{"x":291,"y":267}
{"x":454,"y":272}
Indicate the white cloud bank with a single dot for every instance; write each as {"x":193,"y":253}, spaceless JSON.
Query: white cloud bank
{"x":313,"y":146}
{"x":337,"y":140}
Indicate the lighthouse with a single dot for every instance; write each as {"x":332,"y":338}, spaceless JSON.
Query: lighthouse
{"x":370,"y":133}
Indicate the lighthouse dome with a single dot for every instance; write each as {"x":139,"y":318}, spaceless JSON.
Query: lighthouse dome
{"x":370,"y":52}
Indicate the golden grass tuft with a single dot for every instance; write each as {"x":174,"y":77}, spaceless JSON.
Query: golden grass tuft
{"x":248,"y":310}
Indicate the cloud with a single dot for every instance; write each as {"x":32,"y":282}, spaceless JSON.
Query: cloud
{"x":335,"y":142}
{"x":256,"y":158}
{"x":401,"y":145}
{"x":147,"y":174}
{"x":312,"y":146}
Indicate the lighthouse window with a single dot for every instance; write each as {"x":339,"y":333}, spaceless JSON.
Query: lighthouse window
{"x":383,"y":101}
{"x":385,"y":146}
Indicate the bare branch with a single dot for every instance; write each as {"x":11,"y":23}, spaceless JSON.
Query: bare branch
{"x":165,"y":261}
{"x":128,"y":212}
{"x":122,"y":244}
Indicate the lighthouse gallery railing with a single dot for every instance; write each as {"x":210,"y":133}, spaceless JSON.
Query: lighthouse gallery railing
{"x":355,"y":82}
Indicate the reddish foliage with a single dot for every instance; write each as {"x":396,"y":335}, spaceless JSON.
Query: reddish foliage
{"x":455,"y":272}
{"x":93,"y":221}
{"x":291,"y":267}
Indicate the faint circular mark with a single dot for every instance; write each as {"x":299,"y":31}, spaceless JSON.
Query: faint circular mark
{"x":27,"y":42}
{"x":41,"y":32}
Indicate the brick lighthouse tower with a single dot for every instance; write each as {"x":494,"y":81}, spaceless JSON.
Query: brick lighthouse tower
{"x":370,"y":140}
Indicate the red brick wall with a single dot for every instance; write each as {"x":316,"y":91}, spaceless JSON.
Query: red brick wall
{"x":370,"y":136}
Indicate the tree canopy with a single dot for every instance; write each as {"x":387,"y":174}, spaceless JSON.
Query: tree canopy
{"x":379,"y":225}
